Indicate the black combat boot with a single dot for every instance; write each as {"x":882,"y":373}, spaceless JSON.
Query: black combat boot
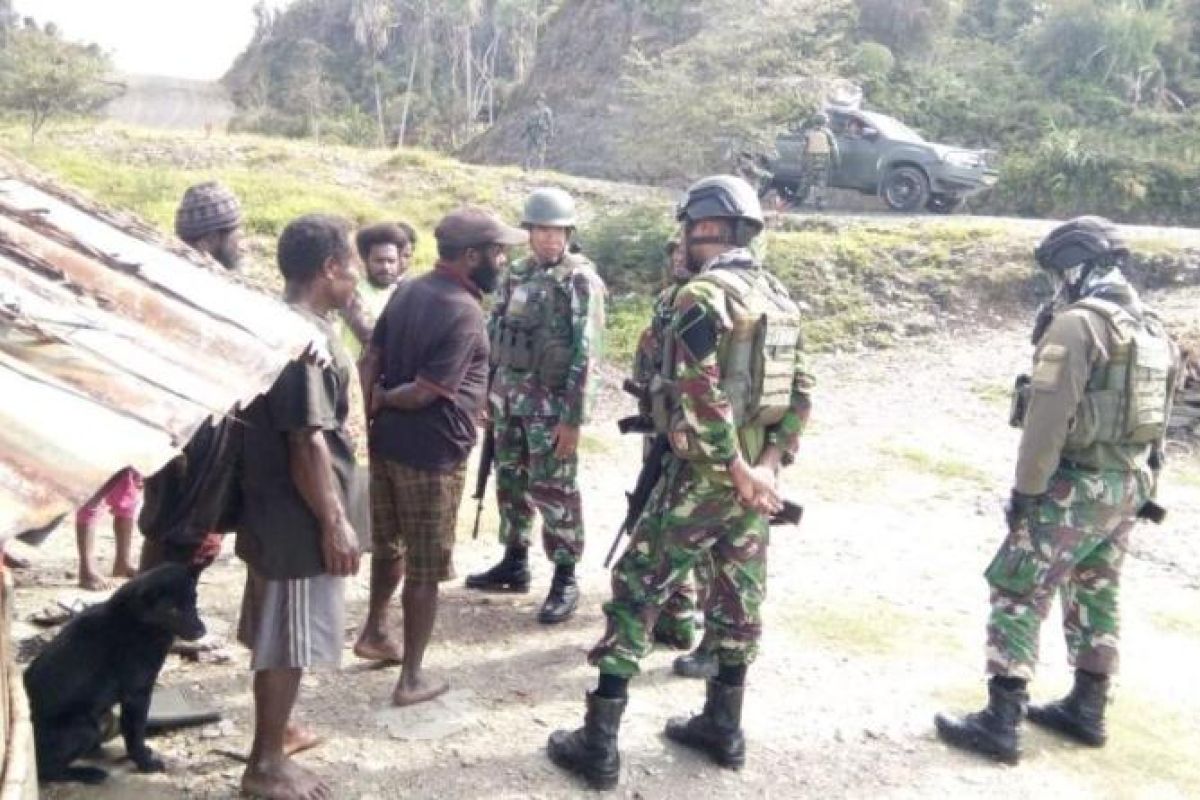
{"x":591,"y":751}
{"x":993,"y":731}
{"x":510,"y":575}
{"x":1079,"y":715}
{"x":699,"y":664}
{"x":717,"y":731}
{"x":563,"y":596}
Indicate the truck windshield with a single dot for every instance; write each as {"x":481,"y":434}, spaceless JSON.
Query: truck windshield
{"x":892,"y":128}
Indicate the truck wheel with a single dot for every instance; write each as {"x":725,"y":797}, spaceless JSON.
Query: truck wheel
{"x":905,"y":189}
{"x":943,"y":203}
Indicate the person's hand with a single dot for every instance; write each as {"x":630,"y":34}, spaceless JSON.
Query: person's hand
{"x":566,"y":440}
{"x":339,"y":549}
{"x":1018,"y":511}
{"x":377,"y":401}
{"x":756,"y":487}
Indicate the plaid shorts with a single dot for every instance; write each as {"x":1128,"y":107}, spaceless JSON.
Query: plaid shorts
{"x":413,"y":516}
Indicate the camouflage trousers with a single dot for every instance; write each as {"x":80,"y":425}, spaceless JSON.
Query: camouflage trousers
{"x":688,"y":516}
{"x":1074,"y":543}
{"x":529,"y":478}
{"x":535,"y":154}
{"x":816,"y":180}
{"x":677,"y":620}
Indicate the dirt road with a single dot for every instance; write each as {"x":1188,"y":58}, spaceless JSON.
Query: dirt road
{"x":874,"y":622}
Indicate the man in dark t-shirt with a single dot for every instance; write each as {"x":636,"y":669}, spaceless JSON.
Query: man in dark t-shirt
{"x":296,"y":533}
{"x":425,"y":383}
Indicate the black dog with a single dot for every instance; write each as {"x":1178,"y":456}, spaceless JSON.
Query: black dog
{"x":111,"y":653}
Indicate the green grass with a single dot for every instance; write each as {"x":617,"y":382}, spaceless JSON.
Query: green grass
{"x":999,"y":394}
{"x":855,"y":628}
{"x":937,"y":465}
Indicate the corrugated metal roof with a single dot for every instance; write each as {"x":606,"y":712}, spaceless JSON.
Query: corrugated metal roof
{"x":116,"y":343}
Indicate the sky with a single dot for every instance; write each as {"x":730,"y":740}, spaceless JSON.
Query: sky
{"x":179,"y":38}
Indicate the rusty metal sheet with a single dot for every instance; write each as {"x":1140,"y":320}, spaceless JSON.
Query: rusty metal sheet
{"x":115,"y":345}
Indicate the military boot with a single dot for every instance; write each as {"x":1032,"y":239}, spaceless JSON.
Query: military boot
{"x":1079,"y":715}
{"x":993,"y":731}
{"x":716,"y":731}
{"x":563,"y":596}
{"x":591,"y":751}
{"x":511,"y":574}
{"x":699,"y":664}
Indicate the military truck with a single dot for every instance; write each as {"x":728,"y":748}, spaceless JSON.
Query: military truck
{"x":880,"y":155}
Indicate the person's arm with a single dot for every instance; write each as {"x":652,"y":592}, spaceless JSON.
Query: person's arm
{"x":358,"y":319}
{"x":835,"y":152}
{"x":444,"y":369}
{"x":587,"y":330}
{"x":1062,"y":364}
{"x":783,"y":438}
{"x":311,"y":469}
{"x":697,"y":327}
{"x":370,"y":371}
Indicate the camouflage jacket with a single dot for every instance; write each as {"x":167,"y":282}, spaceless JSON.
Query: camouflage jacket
{"x":700,"y":322}
{"x":521,"y":393}
{"x":539,"y":125}
{"x":648,"y":357}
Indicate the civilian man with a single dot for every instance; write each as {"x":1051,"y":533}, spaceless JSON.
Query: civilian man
{"x":296,"y":533}
{"x":425,"y":375}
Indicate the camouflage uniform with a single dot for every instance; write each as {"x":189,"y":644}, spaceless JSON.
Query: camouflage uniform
{"x":539,"y":130}
{"x":1076,"y":534}
{"x":820,"y":154}
{"x":529,"y":475}
{"x":677,"y":621}
{"x":695,"y":510}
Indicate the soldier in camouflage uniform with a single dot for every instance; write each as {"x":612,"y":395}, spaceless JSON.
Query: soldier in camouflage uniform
{"x":1094,"y":412}
{"x":718,"y":492}
{"x":676,"y":625}
{"x":820,"y":156}
{"x":546,"y":329}
{"x":539,"y":131}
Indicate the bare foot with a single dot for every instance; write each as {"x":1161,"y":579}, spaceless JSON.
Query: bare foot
{"x":92,"y":582}
{"x":283,"y":780}
{"x":124,"y":570}
{"x":384,"y":648}
{"x":421,"y":690}
{"x":297,"y":739}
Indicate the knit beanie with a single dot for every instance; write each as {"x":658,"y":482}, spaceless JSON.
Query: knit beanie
{"x":206,"y":208}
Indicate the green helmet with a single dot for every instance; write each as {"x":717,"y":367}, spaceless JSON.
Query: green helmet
{"x":723,"y":197}
{"x":551,"y":207}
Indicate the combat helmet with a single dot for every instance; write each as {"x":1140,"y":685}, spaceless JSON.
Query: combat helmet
{"x":550,"y":207}
{"x":723,"y":197}
{"x":1082,"y":240}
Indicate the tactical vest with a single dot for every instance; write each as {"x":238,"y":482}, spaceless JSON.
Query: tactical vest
{"x":816,"y":142}
{"x":756,"y":357}
{"x":534,"y":334}
{"x":1128,"y":400}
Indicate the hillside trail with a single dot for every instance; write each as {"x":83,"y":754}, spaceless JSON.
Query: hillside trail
{"x":874,"y":622}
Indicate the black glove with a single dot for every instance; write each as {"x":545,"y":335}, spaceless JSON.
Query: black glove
{"x":1019,"y":510}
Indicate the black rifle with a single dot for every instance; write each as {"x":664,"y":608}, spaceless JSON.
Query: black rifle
{"x":637,"y":499}
{"x":486,"y":457}
{"x":790,"y":514}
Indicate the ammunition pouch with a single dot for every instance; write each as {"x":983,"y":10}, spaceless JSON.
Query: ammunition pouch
{"x":1019,"y":406}
{"x":527,"y":338}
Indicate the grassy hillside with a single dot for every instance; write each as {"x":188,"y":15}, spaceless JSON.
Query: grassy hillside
{"x":867,"y":281}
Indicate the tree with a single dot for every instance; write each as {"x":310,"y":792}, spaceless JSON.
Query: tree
{"x":308,"y":87}
{"x":904,"y":26}
{"x":372,"y":21}
{"x":43,"y":76}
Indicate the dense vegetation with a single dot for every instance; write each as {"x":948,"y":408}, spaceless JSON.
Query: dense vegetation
{"x":1090,"y":102}
{"x":44,"y":76}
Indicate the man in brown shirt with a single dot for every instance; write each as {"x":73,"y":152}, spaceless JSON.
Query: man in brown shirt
{"x":425,"y":380}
